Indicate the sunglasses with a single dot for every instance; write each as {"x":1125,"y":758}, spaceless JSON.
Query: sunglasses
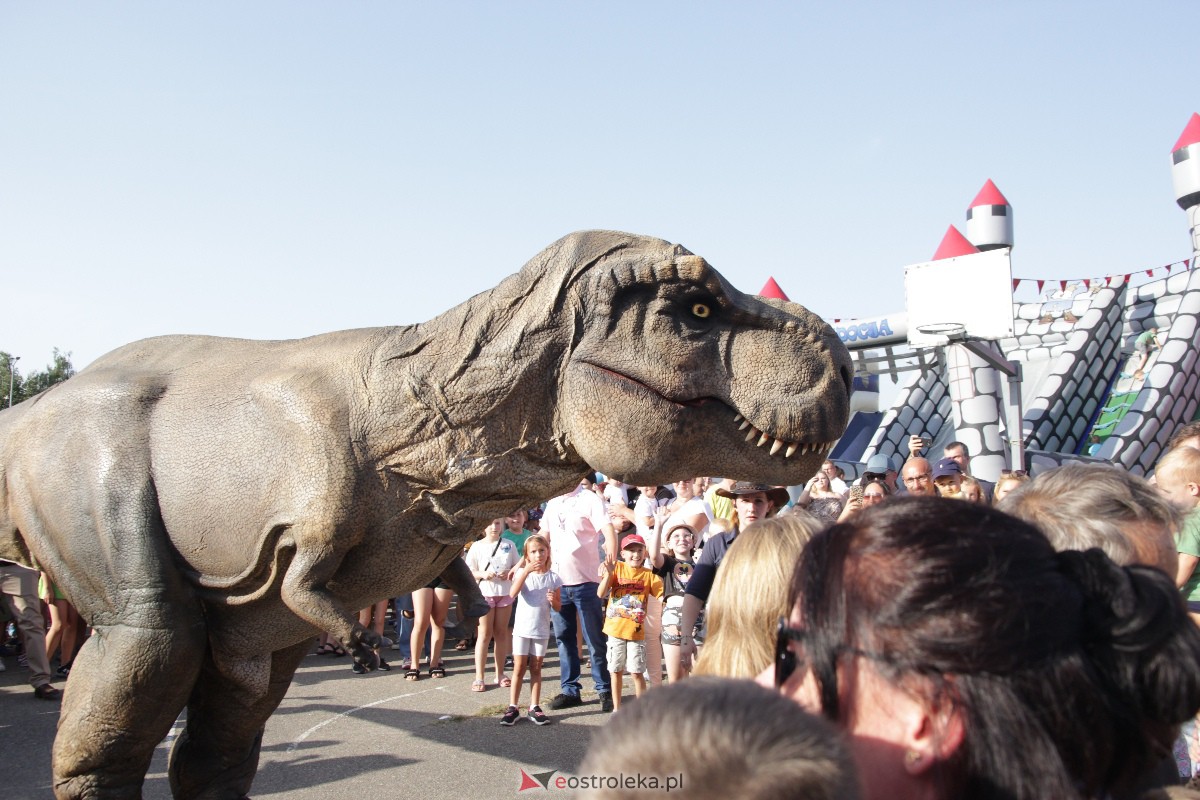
{"x":1013,"y":473}
{"x":786,"y":660}
{"x":874,"y":476}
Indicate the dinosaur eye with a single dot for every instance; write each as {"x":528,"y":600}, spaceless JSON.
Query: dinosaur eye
{"x":701,"y":311}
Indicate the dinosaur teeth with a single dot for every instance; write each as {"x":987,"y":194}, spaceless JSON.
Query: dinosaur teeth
{"x":789,"y":448}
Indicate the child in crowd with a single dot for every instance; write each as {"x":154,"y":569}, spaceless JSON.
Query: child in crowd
{"x":537,"y":590}
{"x":630,"y":583}
{"x":674,"y":567}
{"x":491,"y":560}
{"x":1178,"y":479}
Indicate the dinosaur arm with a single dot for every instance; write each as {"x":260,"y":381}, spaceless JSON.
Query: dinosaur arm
{"x":305,"y":591}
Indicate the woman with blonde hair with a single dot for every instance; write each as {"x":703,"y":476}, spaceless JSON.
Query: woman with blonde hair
{"x":750,"y":594}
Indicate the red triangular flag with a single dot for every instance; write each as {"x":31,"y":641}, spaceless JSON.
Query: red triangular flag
{"x":1127,"y":277}
{"x":1016,"y":283}
{"x":1150,"y":273}
{"x":1062,"y":285}
{"x":1040,"y":285}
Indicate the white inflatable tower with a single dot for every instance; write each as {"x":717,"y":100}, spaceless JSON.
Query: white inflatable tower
{"x":1185,"y":175}
{"x":989,"y":219}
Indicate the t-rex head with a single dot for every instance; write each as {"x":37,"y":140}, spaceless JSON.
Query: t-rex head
{"x":670,"y":372}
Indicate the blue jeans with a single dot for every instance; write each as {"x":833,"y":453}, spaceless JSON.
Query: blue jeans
{"x":581,"y":598}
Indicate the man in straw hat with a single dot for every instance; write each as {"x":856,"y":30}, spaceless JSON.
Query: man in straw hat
{"x":752,"y":502}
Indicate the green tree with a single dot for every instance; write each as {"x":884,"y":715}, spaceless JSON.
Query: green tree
{"x":26,"y":386}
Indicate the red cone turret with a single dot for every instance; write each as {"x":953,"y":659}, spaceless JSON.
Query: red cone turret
{"x":954,"y":244}
{"x":771,"y":289}
{"x":1185,"y":165}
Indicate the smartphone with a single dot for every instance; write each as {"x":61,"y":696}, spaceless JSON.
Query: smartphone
{"x":856,"y":493}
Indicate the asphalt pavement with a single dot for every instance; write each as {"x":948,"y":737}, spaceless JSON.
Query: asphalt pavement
{"x":341,"y":734}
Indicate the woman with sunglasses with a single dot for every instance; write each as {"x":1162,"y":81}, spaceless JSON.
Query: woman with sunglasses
{"x":965,"y":658}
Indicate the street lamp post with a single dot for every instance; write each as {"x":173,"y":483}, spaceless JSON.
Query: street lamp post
{"x":11,"y":359}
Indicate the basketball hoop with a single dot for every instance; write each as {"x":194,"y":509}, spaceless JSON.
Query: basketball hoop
{"x":945,"y":330}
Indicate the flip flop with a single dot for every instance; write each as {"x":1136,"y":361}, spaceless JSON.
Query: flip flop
{"x":437,"y":672}
{"x":413,"y":674}
{"x":504,"y":681}
{"x":477,"y":686}
{"x":325,"y":650}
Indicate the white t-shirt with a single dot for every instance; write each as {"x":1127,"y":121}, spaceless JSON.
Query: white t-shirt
{"x":480,"y":559}
{"x":688,"y":510}
{"x":531,"y":618}
{"x":616,"y":493}
{"x":645,"y":507}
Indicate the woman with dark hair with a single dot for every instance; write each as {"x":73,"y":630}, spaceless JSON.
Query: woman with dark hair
{"x":965,"y":658}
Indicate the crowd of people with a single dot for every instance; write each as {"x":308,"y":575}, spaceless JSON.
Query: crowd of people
{"x":1029,"y":638}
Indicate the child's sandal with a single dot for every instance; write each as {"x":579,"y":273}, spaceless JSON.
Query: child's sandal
{"x":437,"y":672}
{"x":412,"y":674}
{"x":504,"y":681}
{"x":477,"y":686}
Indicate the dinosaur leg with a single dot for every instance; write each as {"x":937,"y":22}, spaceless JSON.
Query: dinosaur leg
{"x":131,"y":679}
{"x":216,"y":756}
{"x":128,"y":685}
{"x":458,"y":577}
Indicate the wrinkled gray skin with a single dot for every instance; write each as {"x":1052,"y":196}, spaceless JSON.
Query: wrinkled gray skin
{"x":210,"y":504}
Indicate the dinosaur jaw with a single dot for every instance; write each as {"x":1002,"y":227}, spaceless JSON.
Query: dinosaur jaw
{"x":643,"y":434}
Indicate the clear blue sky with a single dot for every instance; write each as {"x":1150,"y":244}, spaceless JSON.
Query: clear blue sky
{"x":274,"y":170}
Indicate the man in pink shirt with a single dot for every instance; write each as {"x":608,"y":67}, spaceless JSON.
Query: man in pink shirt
{"x":575,"y":522}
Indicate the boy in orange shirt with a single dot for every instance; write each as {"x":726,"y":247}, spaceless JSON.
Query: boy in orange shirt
{"x":630,"y":583}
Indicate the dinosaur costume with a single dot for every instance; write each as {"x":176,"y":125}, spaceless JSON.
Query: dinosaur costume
{"x":210,"y":504}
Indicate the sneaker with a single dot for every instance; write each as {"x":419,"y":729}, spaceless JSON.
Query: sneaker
{"x":511,"y":716}
{"x":384,"y":666}
{"x":606,"y":703}
{"x":359,"y":669}
{"x":538,"y":716}
{"x":565,"y":701}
